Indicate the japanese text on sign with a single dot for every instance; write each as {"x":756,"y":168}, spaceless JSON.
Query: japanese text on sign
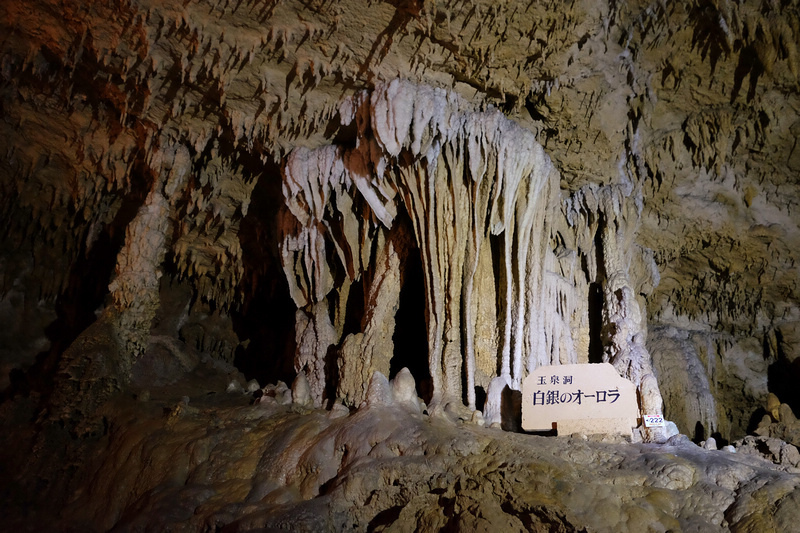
{"x":552,"y":397}
{"x":554,"y":380}
{"x":576,"y":395}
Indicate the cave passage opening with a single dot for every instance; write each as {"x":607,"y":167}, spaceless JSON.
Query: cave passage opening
{"x":265,"y":320}
{"x":595,"y":323}
{"x":783,"y":374}
{"x":410,"y":336}
{"x":596,"y":300}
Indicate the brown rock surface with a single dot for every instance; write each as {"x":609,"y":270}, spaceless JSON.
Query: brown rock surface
{"x":468,"y":190}
{"x":206,"y":463}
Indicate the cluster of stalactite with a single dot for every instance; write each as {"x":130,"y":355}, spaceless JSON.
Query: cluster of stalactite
{"x":507,"y":265}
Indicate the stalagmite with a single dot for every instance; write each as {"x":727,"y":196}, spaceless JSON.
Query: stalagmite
{"x":99,"y":362}
{"x":624,"y":320}
{"x":314,"y":336}
{"x":366,"y":352}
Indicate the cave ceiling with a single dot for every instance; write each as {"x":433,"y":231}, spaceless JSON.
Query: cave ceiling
{"x":692,"y":105}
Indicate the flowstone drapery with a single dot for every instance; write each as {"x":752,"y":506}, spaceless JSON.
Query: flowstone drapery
{"x":505,"y":273}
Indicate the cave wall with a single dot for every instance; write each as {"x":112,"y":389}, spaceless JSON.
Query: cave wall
{"x":671,"y":227}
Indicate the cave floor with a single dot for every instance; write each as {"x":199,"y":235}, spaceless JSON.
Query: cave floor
{"x":192,"y":457}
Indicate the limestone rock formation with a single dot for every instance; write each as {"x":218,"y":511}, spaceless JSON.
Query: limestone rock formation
{"x":199,"y":193}
{"x":611,"y":92}
{"x":779,"y":422}
{"x":271,"y":466}
{"x":469,"y":181}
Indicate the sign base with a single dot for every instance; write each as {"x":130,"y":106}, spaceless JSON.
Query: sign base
{"x":594,"y":426}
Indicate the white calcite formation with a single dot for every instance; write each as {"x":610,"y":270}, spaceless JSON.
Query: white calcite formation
{"x":501,"y":255}
{"x":604,"y":215}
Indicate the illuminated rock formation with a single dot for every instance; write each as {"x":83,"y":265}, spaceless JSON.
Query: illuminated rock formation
{"x":465,"y":178}
{"x":198,"y":194}
{"x":685,"y":109}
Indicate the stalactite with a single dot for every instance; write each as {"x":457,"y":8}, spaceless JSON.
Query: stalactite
{"x":463,"y":176}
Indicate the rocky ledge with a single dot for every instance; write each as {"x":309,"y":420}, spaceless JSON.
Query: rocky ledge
{"x":239,"y":461}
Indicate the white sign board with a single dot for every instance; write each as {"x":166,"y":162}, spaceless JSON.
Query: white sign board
{"x":589,"y":398}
